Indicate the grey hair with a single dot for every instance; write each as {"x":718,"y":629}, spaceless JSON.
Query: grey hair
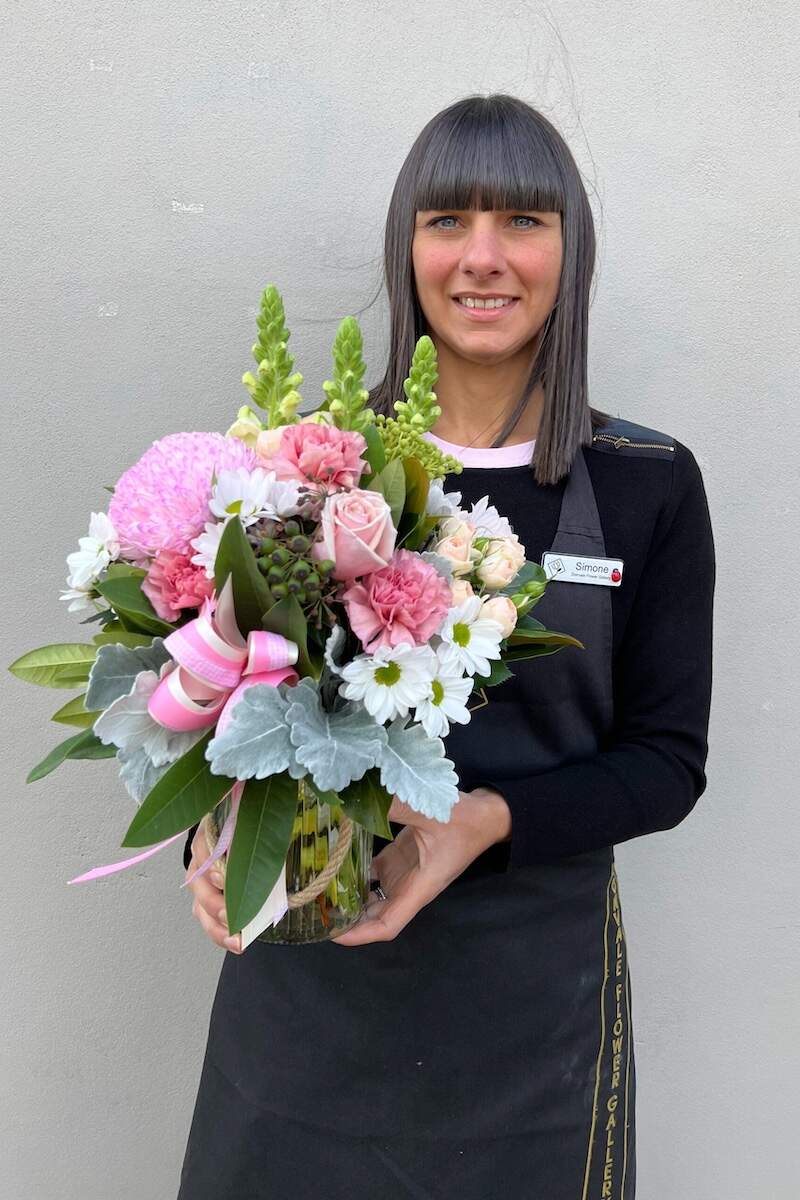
{"x":497,"y":152}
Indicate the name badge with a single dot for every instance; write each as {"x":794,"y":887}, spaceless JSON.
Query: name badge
{"x":577,"y":568}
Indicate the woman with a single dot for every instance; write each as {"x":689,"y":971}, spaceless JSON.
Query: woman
{"x":472,"y":1035}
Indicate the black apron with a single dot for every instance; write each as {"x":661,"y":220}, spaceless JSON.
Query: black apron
{"x":485,"y":1052}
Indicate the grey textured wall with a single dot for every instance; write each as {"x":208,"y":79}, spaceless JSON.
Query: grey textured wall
{"x":161,"y":165}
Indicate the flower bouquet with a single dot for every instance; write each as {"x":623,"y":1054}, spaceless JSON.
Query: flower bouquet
{"x":290,"y":617}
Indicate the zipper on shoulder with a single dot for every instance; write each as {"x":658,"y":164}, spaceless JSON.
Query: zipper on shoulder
{"x":625,"y":441}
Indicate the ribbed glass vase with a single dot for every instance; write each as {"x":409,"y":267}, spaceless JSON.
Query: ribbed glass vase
{"x":315,"y":836}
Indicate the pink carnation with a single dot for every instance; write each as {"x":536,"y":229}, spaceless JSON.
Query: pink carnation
{"x":318,"y":454}
{"x":161,"y":502}
{"x":406,"y":601}
{"x":174,"y":583}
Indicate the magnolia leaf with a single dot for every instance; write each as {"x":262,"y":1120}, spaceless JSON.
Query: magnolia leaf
{"x":251,"y":595}
{"x":256,"y":742}
{"x":74,"y":713}
{"x":413,"y":767}
{"x":183,"y":794}
{"x":367,"y":802}
{"x":64,"y":664}
{"x":335,"y":747}
{"x":80,"y":745}
{"x":124,"y":593}
{"x":116,"y":667}
{"x":260,"y":843}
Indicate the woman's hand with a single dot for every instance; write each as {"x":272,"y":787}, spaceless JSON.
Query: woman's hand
{"x":209,"y":903}
{"x":424,"y":858}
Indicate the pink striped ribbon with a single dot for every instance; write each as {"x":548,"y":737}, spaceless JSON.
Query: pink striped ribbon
{"x":213,"y":666}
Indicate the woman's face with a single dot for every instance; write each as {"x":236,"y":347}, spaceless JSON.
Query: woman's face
{"x":473,"y":253}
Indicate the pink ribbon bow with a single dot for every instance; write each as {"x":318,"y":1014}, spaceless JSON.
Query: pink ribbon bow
{"x":213,"y":666}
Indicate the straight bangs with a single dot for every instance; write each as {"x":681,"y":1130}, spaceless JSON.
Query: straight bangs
{"x":488,"y":160}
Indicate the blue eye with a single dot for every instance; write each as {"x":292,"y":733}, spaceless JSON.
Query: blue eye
{"x":519,"y":216}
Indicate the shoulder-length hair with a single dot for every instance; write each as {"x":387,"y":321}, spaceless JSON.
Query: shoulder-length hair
{"x":497,"y":152}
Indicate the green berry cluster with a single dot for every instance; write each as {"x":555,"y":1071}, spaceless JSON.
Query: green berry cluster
{"x":283,"y":555}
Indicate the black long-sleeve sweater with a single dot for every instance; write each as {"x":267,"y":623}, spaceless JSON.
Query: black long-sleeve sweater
{"x":654,"y":514}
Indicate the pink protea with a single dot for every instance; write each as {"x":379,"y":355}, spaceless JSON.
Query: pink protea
{"x":316,"y":454}
{"x":406,"y":601}
{"x":161,"y":502}
{"x":174,"y":583}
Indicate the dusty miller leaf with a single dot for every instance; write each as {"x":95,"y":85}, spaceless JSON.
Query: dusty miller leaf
{"x":115,"y":668}
{"x":335,"y":747}
{"x":413,"y":767}
{"x":256,"y":742}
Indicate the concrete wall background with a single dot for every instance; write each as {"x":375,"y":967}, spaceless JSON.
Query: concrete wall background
{"x":162,"y":165}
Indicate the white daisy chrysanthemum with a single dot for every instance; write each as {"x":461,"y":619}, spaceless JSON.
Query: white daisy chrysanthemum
{"x":250,"y":495}
{"x":86,"y":565}
{"x":207,"y":544}
{"x":470,"y":639}
{"x":446,"y":701}
{"x":441,"y":503}
{"x":390,"y":681}
{"x":82,"y":600}
{"x":487,"y":520}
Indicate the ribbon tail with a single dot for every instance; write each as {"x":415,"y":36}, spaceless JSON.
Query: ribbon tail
{"x":98,"y":872}
{"x":226,"y":833}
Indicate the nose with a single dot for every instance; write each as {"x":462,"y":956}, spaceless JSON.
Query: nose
{"x":482,"y":251}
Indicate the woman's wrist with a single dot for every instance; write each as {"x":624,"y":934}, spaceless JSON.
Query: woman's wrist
{"x":500,"y":813}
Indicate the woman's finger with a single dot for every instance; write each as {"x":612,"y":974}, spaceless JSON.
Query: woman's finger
{"x":216,"y":930}
{"x":401,"y":813}
{"x":382,"y":920}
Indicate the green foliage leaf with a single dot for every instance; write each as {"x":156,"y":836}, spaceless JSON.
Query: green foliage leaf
{"x":544,"y":637}
{"x":260,"y":844}
{"x":251,"y":595}
{"x":417,"y":486}
{"x":60,"y":665}
{"x":391,"y":484}
{"x":81,"y":745}
{"x":121,"y":637}
{"x":367,"y":802}
{"x":74,"y":712}
{"x":498,"y":673}
{"x":286,"y":617}
{"x":184,"y":794}
{"x":124,"y":594}
{"x":375,"y":453}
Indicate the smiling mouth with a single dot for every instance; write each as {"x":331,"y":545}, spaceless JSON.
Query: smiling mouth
{"x":483,"y":313}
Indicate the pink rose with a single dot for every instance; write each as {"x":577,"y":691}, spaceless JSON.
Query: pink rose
{"x":503,"y":610}
{"x":406,"y":601}
{"x":317,"y":454}
{"x":501,"y":561}
{"x":460,"y":590}
{"x":356,"y":531}
{"x":174,"y":583}
{"x":456,"y":544}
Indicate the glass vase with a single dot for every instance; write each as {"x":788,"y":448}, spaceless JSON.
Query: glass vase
{"x":316,"y":833}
